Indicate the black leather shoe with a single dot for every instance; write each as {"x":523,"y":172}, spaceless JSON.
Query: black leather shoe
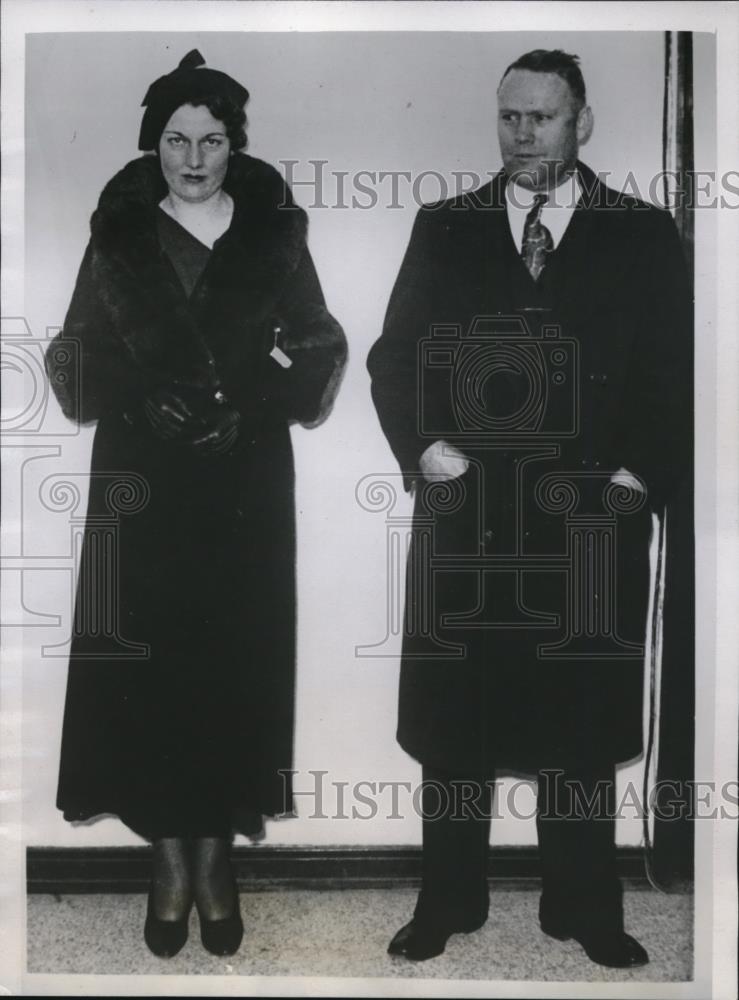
{"x":616,"y":949}
{"x":418,"y":941}
{"x":223,"y":937}
{"x":164,"y":937}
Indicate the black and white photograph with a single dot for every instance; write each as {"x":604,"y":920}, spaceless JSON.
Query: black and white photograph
{"x":369,"y":499}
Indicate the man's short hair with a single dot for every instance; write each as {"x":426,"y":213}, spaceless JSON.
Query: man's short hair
{"x":562,"y":64}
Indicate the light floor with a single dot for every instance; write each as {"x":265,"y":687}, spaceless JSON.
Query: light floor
{"x":346,"y":932}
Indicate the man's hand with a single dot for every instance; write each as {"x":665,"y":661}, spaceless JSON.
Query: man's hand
{"x":442,"y":461}
{"x":625,"y":478}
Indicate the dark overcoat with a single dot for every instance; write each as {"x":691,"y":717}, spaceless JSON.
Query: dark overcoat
{"x":528,"y":577}
{"x":181,"y":684}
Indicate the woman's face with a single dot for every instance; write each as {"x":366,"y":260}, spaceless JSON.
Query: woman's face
{"x":193,"y":152}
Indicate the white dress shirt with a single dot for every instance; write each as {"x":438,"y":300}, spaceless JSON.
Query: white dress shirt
{"x":555,"y":214}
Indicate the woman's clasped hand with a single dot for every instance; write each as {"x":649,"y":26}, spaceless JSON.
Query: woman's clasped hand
{"x":206,"y":423}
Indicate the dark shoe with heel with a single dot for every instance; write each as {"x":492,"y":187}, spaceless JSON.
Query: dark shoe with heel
{"x":164,"y":938}
{"x":223,"y":937}
{"x":215,"y":889}
{"x":418,"y":941}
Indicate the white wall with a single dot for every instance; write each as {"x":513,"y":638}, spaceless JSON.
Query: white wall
{"x":362,"y":102}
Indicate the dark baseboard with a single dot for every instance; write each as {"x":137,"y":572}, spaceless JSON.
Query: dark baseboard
{"x":63,"y":870}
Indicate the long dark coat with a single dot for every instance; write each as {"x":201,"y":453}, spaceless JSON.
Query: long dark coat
{"x":533,"y":659}
{"x":179,"y":709}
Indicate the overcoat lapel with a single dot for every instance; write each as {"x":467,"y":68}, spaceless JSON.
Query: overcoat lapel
{"x":575,"y":269}
{"x":593,"y":262}
{"x":482,"y":283}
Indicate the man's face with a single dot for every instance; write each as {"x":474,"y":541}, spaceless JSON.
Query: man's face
{"x":539,"y":128}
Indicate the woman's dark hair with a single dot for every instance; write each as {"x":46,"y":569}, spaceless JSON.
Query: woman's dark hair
{"x":555,"y":61}
{"x":228,"y":112}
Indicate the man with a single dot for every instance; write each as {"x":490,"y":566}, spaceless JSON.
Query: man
{"x":533,"y":381}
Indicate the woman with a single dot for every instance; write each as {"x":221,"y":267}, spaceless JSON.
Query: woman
{"x":201,"y":333}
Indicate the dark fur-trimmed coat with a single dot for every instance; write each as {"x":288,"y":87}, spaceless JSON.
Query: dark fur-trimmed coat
{"x":181,"y":685}
{"x":503,"y":663}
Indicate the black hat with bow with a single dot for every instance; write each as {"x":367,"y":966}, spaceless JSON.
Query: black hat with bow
{"x":182,"y":86}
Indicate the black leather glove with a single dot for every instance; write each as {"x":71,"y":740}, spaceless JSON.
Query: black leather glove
{"x":193,"y":418}
{"x":171,"y":415}
{"x":220,"y":431}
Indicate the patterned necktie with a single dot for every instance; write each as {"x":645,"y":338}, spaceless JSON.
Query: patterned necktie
{"x":537,"y":240}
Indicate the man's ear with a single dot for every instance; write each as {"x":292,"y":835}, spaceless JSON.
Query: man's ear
{"x":585,"y":124}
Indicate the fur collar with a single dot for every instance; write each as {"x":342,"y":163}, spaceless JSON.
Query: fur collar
{"x":263,"y":208}
{"x":246,"y":272}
